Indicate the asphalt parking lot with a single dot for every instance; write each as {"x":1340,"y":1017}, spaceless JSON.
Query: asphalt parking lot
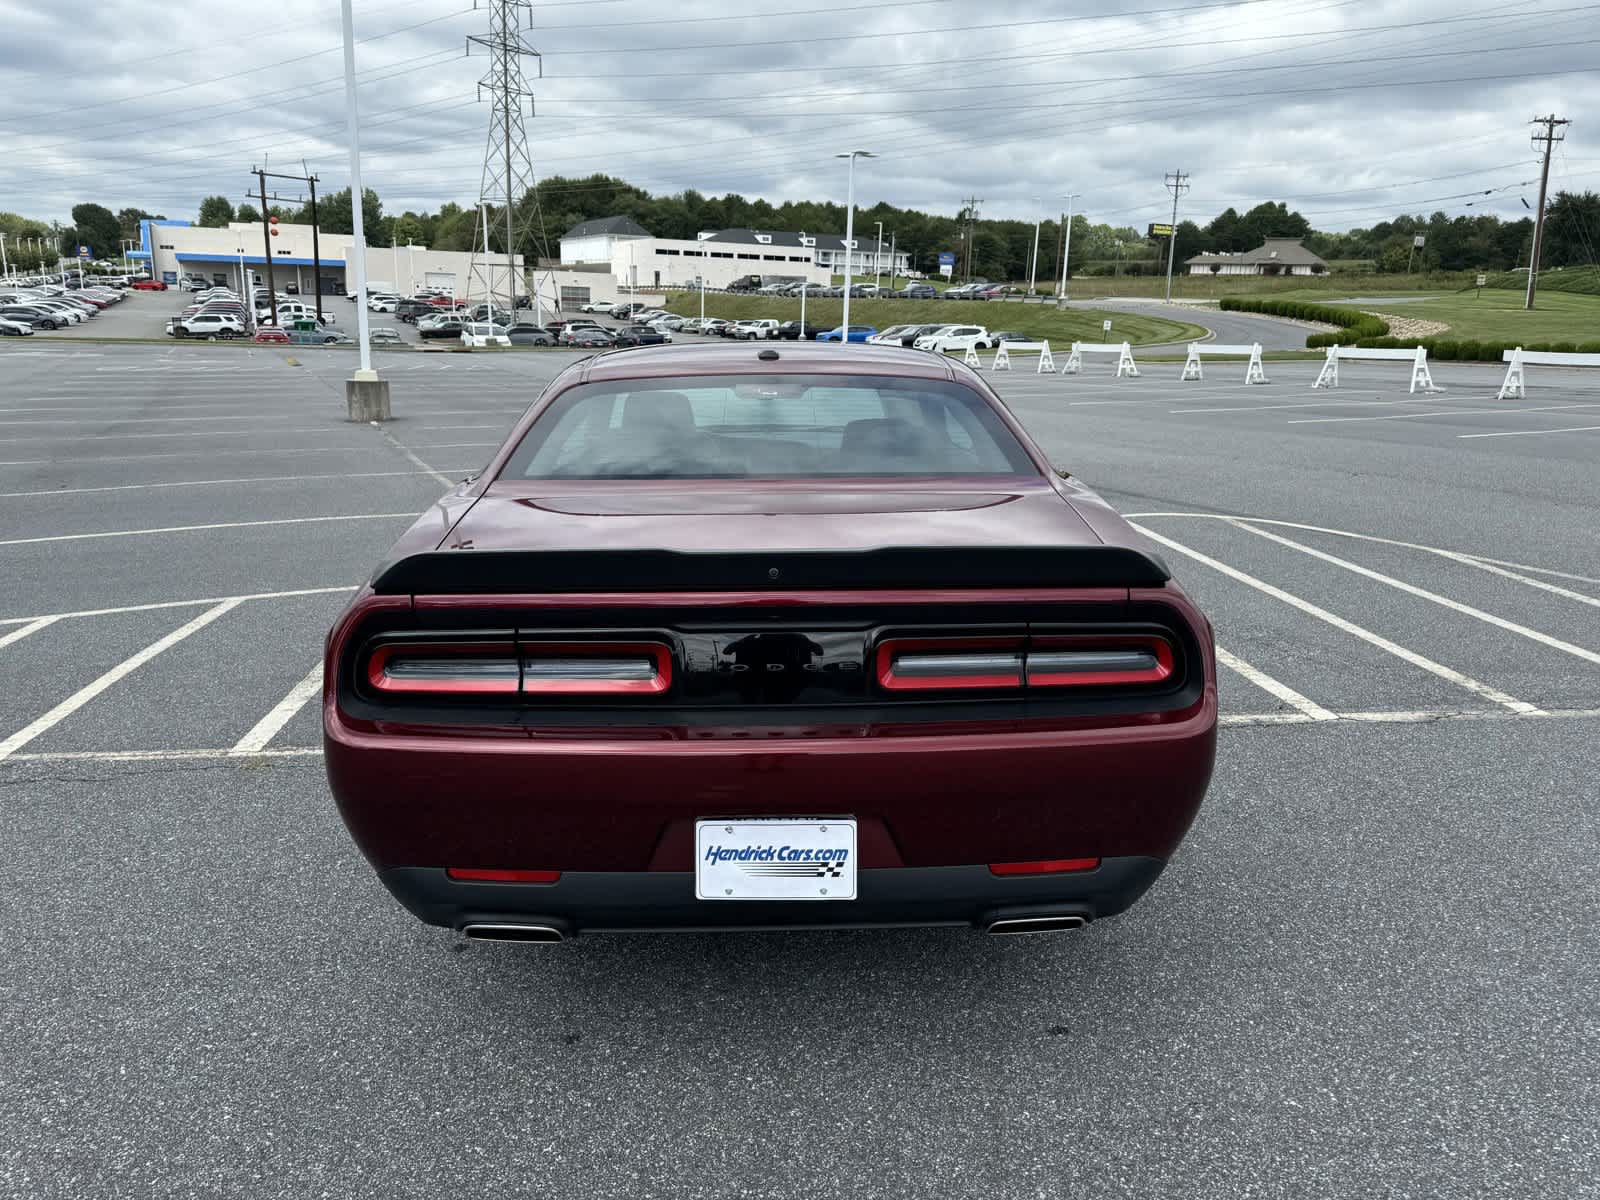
{"x":1370,"y":971}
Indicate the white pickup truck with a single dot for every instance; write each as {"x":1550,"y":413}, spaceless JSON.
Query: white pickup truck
{"x":750,"y":330}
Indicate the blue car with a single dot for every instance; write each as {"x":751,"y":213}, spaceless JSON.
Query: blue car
{"x":858,"y":333}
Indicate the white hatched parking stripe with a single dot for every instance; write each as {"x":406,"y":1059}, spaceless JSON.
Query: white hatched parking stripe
{"x":160,"y":604}
{"x":1544,"y":639}
{"x":1411,"y":656}
{"x":83,"y":695}
{"x":1310,"y":709}
{"x":119,"y":533}
{"x":282,"y":713}
{"x":182,"y":483}
{"x":16,"y":635}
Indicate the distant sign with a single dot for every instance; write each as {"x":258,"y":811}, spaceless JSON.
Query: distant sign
{"x":1419,"y":241}
{"x":1105,"y":326}
{"x":1158,"y":231}
{"x":83,"y":252}
{"x":1482,"y":280}
{"x":947,"y":263}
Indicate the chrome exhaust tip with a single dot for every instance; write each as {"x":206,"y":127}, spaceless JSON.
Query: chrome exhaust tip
{"x":499,"y":932}
{"x":1042,"y":924}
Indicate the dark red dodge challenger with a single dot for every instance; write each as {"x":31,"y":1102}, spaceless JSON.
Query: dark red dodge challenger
{"x":727,"y":637}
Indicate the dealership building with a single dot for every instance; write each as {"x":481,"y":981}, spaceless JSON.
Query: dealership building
{"x":636,"y":259}
{"x":227,"y":255}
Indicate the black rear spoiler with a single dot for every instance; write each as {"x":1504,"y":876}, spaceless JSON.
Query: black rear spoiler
{"x":480,"y":572}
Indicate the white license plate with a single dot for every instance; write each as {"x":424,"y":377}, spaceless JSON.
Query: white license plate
{"x":786,"y":859}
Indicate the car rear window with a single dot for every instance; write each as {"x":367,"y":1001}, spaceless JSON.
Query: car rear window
{"x":775,"y":427}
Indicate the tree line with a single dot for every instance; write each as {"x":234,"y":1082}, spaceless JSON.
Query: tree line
{"x":995,"y":249}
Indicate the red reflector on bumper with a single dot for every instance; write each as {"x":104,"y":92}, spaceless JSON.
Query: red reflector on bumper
{"x":1044,"y":866}
{"x":492,"y":875}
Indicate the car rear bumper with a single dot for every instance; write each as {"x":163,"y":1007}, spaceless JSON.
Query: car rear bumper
{"x":621,"y":901}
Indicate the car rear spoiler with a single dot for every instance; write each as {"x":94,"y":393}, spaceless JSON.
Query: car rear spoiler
{"x":476,"y":572}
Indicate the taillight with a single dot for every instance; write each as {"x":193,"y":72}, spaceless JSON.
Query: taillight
{"x":493,"y":875}
{"x":1091,"y":660}
{"x":474,"y":668}
{"x":954,"y":664}
{"x":509,"y":667}
{"x":595,"y":668}
{"x":925,"y":664}
{"x":1044,"y":866}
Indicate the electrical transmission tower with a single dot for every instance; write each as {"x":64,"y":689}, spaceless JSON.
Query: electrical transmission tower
{"x":1177,"y":184}
{"x":1553,"y":133}
{"x":507,"y":168}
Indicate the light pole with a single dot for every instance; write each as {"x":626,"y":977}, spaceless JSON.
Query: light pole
{"x":849,"y":237}
{"x":366,"y":396}
{"x":5,"y":267}
{"x":1066,"y":252}
{"x":877,"y":259}
{"x":891,"y":261}
{"x":1033,"y":262}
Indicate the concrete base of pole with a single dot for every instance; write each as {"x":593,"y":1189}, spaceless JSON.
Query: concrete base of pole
{"x":367,"y":397}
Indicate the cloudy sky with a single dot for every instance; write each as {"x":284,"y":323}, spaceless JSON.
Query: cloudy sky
{"x":1349,"y":110}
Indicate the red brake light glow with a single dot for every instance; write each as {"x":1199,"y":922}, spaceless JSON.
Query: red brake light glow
{"x":1044,"y":866}
{"x":494,"y":875}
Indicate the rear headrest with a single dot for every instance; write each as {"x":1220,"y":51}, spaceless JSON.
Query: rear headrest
{"x":658,"y":411}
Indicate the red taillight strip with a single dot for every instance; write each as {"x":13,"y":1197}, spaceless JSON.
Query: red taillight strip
{"x":1044,"y":866}
{"x":572,"y":654}
{"x":494,"y":875}
{"x":993,"y":662}
{"x":440,"y":655}
{"x":1156,"y":665}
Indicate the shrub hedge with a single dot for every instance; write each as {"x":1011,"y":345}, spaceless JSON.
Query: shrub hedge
{"x":1450,"y":350}
{"x":1355,"y":323}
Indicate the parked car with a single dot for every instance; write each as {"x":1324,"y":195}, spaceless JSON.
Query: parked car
{"x":626,"y":309}
{"x":890,"y":336}
{"x":640,"y":335}
{"x":383,"y":302}
{"x":956,"y":337}
{"x":385,"y":335}
{"x":586,"y":337}
{"x":918,"y":291}
{"x":409,"y":309}
{"x":714,"y":326}
{"x":599,"y":306}
{"x":208,"y":325}
{"x":34,"y":318}
{"x":671,"y":323}
{"x":447,"y":325}
{"x":746,"y":331}
{"x":909,"y":336}
{"x":1026,"y":762}
{"x":271,"y":334}
{"x":1009,"y":335}
{"x":792,"y":331}
{"x":530,"y":335}
{"x":12,"y":327}
{"x":858,"y":333}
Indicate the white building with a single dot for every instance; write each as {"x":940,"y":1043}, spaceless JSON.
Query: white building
{"x":1275,"y":256}
{"x":175,"y":249}
{"x":596,"y":241}
{"x":724,"y":256}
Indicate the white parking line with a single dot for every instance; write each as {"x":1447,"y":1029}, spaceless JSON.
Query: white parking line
{"x":1496,"y":566}
{"x":1466,"y":610}
{"x":1452,"y":412}
{"x":1531,"y":432}
{"x":128,"y":437}
{"x":16,"y":635}
{"x":83,"y":695}
{"x":161,"y":604}
{"x":1397,"y":403}
{"x":181,"y":483}
{"x":120,"y":533}
{"x":205,"y":451}
{"x":282,"y":713}
{"x":1310,"y":709}
{"x":1350,"y":627}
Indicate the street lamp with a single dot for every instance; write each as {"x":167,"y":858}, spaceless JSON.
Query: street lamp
{"x":1066,"y":250}
{"x":1033,"y":263}
{"x":877,"y":258}
{"x":849,"y":237}
{"x":366,"y":395}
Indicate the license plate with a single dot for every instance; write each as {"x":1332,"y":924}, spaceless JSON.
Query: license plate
{"x":785,"y":859}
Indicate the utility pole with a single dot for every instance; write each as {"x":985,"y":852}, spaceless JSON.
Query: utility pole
{"x":1033,"y":259}
{"x":266,"y":237}
{"x":1550,"y":137}
{"x":972,"y":223}
{"x":507,"y":166}
{"x":1177,"y":184}
{"x":316,"y":246}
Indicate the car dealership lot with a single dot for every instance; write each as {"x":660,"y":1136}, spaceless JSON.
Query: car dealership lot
{"x":1370,"y":970}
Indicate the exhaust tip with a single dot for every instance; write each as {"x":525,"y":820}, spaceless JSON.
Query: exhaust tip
{"x":1054,"y":923}
{"x":495,"y":932}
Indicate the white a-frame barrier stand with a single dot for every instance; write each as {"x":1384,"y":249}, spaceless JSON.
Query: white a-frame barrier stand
{"x":1002,"y":356}
{"x":1123,"y":351}
{"x":1515,"y":385}
{"x":1254,"y":373}
{"x":1418,"y":358}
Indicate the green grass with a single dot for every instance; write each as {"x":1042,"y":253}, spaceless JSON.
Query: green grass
{"x":1583,"y":280}
{"x":1297,"y":287}
{"x":1498,"y":315}
{"x":1038,"y":321}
